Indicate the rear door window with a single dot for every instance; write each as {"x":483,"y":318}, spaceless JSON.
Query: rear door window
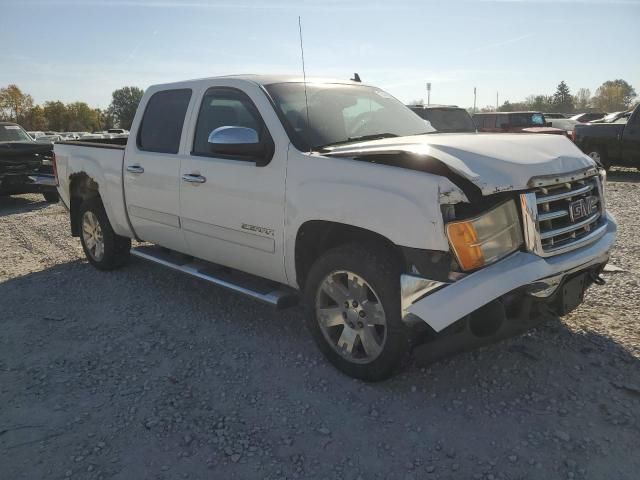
{"x":163,"y":120}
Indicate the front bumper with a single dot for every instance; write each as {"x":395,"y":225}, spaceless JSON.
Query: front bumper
{"x":442,"y":304}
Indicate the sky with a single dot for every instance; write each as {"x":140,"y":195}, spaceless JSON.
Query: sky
{"x":82,"y":50}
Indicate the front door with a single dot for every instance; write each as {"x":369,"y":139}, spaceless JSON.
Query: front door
{"x":232,"y":211}
{"x":152,"y":170}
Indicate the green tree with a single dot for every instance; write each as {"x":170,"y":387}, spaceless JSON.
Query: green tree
{"x":614,"y":95}
{"x":81,"y":117}
{"x":562,"y":99}
{"x":56,"y":115}
{"x":14,"y":104}
{"x":34,"y":119}
{"x":582,"y":100}
{"x":124,"y":104}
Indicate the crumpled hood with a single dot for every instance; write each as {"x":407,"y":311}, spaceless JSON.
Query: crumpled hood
{"x":494,"y":162}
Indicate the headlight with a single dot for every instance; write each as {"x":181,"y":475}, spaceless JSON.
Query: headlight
{"x":482,"y":240}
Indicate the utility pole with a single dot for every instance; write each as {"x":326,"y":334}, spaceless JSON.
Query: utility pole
{"x":429,"y":93}
{"x":497,"y":101}
{"x":474,"y":99}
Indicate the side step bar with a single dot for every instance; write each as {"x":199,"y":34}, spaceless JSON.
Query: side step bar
{"x":267,"y":291}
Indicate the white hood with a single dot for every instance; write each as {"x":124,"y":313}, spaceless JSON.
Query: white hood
{"x":493,"y":162}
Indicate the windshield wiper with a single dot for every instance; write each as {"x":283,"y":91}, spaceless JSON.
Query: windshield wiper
{"x":375,"y":136}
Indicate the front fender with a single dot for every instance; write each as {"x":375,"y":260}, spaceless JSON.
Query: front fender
{"x":398,"y":204}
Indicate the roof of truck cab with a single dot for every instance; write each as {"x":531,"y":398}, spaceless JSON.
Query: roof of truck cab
{"x":265,"y":80}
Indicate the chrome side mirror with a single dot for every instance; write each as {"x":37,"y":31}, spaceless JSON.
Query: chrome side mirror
{"x":242,"y":143}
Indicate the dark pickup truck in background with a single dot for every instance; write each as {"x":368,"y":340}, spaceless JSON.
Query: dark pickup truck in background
{"x":25,"y":165}
{"x":616,"y":143}
{"x":445,"y":118}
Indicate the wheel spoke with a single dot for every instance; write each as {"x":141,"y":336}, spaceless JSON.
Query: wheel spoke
{"x":331,"y":316}
{"x":375,"y":313}
{"x":99,"y":251}
{"x":357,"y":289}
{"x":90,"y":241}
{"x":347,"y":339}
{"x":369,"y":343}
{"x":335,"y":290}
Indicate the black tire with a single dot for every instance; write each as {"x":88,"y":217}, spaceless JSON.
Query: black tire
{"x":51,"y":197}
{"x":116,"y":248}
{"x":378,"y":269}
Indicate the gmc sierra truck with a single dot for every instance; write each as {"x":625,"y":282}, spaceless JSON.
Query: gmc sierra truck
{"x":336,"y":194}
{"x":612,"y":143}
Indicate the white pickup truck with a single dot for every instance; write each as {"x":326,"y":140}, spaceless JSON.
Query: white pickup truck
{"x":335,"y":193}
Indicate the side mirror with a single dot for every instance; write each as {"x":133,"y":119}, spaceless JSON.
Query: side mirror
{"x":240,"y":141}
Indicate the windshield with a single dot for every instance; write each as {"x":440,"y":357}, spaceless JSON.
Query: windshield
{"x":14,"y":133}
{"x":451,"y":120}
{"x":341,"y":113}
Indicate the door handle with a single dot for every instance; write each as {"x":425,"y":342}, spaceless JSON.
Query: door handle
{"x":135,"y":169}
{"x":191,"y":178}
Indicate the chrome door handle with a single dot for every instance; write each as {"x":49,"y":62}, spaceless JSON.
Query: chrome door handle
{"x":194,"y":178}
{"x":135,"y":169}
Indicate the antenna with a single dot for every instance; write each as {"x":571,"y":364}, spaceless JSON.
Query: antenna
{"x":304,"y":75}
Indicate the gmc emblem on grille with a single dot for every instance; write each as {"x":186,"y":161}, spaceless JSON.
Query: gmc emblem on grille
{"x":582,"y":207}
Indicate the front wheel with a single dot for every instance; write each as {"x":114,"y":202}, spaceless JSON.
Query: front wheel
{"x":354,"y":294}
{"x":103,"y":248}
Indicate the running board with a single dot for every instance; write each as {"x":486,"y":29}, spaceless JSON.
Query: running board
{"x":267,"y":291}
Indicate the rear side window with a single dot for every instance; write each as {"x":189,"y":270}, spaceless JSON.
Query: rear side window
{"x":225,"y":107}
{"x":163,"y":119}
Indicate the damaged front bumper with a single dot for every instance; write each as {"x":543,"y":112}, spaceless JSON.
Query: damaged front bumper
{"x":441,"y":304}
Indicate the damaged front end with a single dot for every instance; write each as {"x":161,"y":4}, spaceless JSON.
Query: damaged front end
{"x":564,"y":236}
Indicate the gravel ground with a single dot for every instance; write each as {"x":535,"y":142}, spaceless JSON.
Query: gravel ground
{"x":143,"y":373}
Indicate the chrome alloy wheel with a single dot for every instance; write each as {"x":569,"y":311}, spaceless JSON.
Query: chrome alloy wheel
{"x":351,"y":316}
{"x":92,"y":235}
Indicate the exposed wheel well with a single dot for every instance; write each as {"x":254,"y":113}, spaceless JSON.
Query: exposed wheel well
{"x":318,"y":236}
{"x":81,"y":188}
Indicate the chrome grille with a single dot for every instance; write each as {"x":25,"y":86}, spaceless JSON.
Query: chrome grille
{"x":564,"y":215}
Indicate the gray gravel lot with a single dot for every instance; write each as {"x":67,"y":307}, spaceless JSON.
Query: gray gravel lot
{"x":144,"y":373}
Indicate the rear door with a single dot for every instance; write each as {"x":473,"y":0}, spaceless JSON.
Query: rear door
{"x":631,"y":140}
{"x":231,"y":210}
{"x":152,"y":170}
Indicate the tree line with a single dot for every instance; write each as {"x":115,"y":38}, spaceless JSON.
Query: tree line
{"x":611,"y":96}
{"x":19,"y":107}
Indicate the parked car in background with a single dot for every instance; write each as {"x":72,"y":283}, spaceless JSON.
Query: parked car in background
{"x":25,"y":165}
{"x":587,"y":117}
{"x":565,"y":124}
{"x":388,"y":234}
{"x":555,"y":115}
{"x":612,"y":117}
{"x":49,"y":138}
{"x":514,"y":122}
{"x":615,"y":142}
{"x":445,"y":118}
{"x":36,"y":134}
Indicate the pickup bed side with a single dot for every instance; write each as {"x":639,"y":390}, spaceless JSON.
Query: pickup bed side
{"x":88,"y":169}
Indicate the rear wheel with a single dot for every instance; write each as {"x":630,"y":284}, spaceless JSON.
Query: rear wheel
{"x":51,"y":197}
{"x":354,"y":295}
{"x":103,"y":248}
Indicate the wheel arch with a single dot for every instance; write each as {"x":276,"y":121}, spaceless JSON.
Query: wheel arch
{"x":82,"y":187}
{"x":315,"y":237}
